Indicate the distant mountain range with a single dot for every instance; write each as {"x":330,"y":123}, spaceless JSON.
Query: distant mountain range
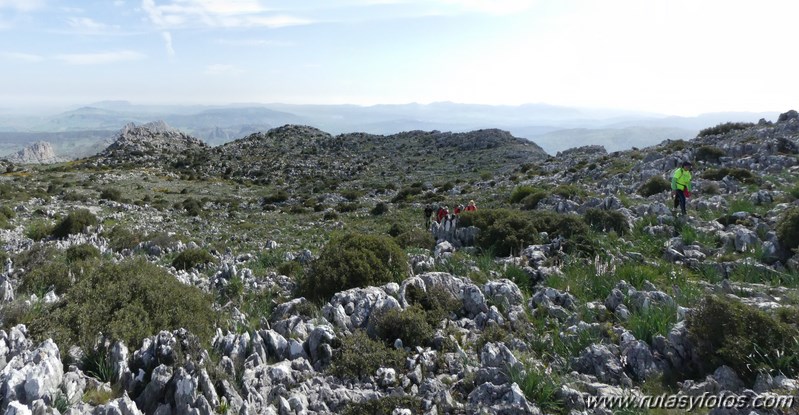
{"x":82,"y":131}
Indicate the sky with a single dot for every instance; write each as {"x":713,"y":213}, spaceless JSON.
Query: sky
{"x":679,"y":57}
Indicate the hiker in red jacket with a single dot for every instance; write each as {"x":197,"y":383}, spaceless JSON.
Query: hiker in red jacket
{"x":471,"y":207}
{"x":443,"y":211}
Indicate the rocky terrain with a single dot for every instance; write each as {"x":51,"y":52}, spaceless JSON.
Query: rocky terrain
{"x":293,"y":272}
{"x":40,"y":152}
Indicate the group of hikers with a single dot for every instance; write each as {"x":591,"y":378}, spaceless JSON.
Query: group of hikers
{"x":680,"y":186}
{"x":442,"y":212}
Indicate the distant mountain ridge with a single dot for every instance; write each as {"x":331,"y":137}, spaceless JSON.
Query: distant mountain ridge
{"x":548,"y":125}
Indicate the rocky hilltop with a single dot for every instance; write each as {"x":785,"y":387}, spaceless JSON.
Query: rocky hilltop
{"x":294,"y":272}
{"x":40,"y":152}
{"x":150,"y":144}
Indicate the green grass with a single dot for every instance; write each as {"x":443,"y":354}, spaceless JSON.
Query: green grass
{"x":645,"y":324}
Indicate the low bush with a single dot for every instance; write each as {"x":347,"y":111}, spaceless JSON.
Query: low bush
{"x":7,"y":212}
{"x":727,"y":332}
{"x":111,"y":193}
{"x":742,"y":175}
{"x":276,"y":197}
{"x":654,"y":186}
{"x":127,"y":301}
{"x":788,"y":229}
{"x":725,"y":128}
{"x":415,"y":238}
{"x":379,"y":209}
{"x":386,"y":405}
{"x":606,"y":221}
{"x":361,"y":356}
{"x":570,"y":226}
{"x":192,"y":206}
{"x":436,"y":301}
{"x":354,"y":260}
{"x":409,"y":325}
{"x":120,"y":238}
{"x":351,"y":194}
{"x":82,"y":252}
{"x":47,"y":268}
{"x":504,"y":231}
{"x":191,"y":258}
{"x":406,"y":194}
{"x":520,"y":192}
{"x":75,"y":222}
{"x":710,"y":154}
{"x":531,"y":201}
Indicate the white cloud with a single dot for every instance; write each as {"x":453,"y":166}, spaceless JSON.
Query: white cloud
{"x":252,"y":42}
{"x":85,"y":24}
{"x":21,"y":57}
{"x":168,"y":43}
{"x":222,"y":69}
{"x":499,"y":7}
{"x":100,"y":58}
{"x":217,"y":13}
{"x":21,"y":5}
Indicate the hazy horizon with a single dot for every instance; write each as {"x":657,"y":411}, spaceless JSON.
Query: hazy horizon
{"x":673,"y":57}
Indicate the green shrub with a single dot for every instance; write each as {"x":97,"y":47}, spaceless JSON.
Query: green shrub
{"x":436,"y":301}
{"x":570,"y":226}
{"x":410,"y":325}
{"x":193,"y":206}
{"x":607,"y":220}
{"x":385,"y":405}
{"x":348,"y":207}
{"x":7,"y":212}
{"x":354,"y":260}
{"x":47,"y":268}
{"x":120,"y":238}
{"x":710,"y":154}
{"x":415,"y":238}
{"x":192,"y":257}
{"x":567,"y":191}
{"x":276,"y":197}
{"x":727,"y":332}
{"x":111,"y":193}
{"x":82,"y":252}
{"x":128,"y":301}
{"x":531,"y":201}
{"x":788,"y":229}
{"x":74,"y":197}
{"x":725,"y":128}
{"x":653,"y":186}
{"x":504,"y":231}
{"x":742,"y":175}
{"x":351,"y":194}
{"x":379,"y":209}
{"x":520,"y":192}
{"x":290,"y":268}
{"x":360,"y":356}
{"x":4,"y":224}
{"x":75,"y":222}
{"x":406,"y":194}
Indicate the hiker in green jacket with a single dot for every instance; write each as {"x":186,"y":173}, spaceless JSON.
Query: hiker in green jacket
{"x":681,"y":185}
